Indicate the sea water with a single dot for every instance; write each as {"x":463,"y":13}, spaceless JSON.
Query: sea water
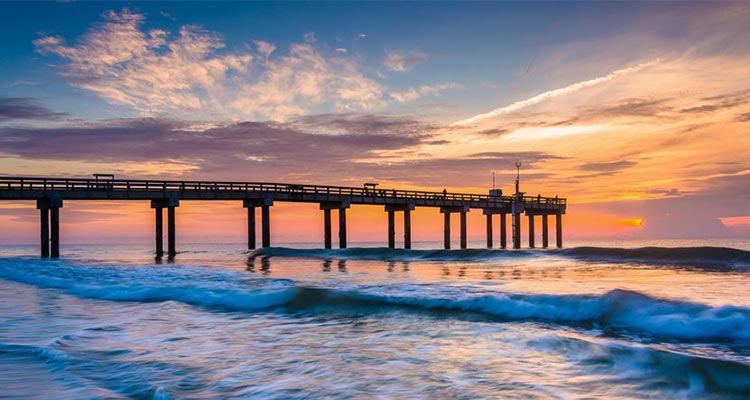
{"x":604,"y":320}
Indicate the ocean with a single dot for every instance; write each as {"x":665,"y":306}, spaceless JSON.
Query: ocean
{"x":600,"y":320}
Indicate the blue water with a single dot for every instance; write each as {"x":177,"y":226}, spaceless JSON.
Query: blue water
{"x":669,"y":320}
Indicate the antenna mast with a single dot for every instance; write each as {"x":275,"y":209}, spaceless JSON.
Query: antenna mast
{"x":518,"y":174}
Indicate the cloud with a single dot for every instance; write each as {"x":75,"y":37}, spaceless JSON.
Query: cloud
{"x":15,"y":108}
{"x":472,"y":170}
{"x":632,"y":107}
{"x":348,"y":153}
{"x":268,"y":149}
{"x":744,"y":117}
{"x":264,"y":48}
{"x":665,"y":192}
{"x":721,"y":102}
{"x":612,"y":166}
{"x":426,"y":90}
{"x":193,"y":75}
{"x":296,"y":83}
{"x":519,"y":105}
{"x":398,"y":62}
{"x":360,"y":124}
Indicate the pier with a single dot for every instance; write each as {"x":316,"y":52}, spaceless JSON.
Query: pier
{"x":50,"y":194}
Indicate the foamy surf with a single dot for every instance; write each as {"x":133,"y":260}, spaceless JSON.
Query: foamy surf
{"x":615,"y":312}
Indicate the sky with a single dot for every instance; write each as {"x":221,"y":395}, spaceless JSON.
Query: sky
{"x":637,"y":113}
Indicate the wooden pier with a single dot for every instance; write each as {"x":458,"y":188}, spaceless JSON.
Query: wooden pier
{"x":49,"y":194}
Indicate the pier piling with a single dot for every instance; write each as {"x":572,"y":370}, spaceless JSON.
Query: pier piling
{"x":545,"y":231}
{"x":447,"y":231}
{"x":391,"y":229}
{"x":489,"y":231}
{"x":342,"y":227}
{"x":159,"y":234}
{"x":503,"y":231}
{"x":49,"y":227}
{"x":327,"y":228}
{"x":407,"y":229}
{"x":531,"y":231}
{"x":170,"y":203}
{"x":44,"y":234}
{"x":463,"y":229}
{"x":265,"y":213}
{"x":171,"y":245}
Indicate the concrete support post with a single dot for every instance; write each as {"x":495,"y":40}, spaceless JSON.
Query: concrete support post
{"x":54,"y":232}
{"x":503,"y":232}
{"x":265,"y":212}
{"x":558,"y":224}
{"x":489,"y":231}
{"x":545,"y":231}
{"x":250,"y":228}
{"x":407,"y":229}
{"x":49,"y":225}
{"x":327,"y":228}
{"x":158,"y":205}
{"x":44,"y":231}
{"x":463,"y":229}
{"x":342,"y":228}
{"x":159,"y":231}
{"x":531,"y":231}
{"x":447,"y":231}
{"x":171,"y":247}
{"x":516,"y":230}
{"x":391,"y":230}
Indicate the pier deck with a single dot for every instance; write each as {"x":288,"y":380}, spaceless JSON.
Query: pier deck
{"x":51,"y":192}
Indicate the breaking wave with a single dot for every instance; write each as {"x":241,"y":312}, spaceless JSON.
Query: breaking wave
{"x":709,"y":257}
{"x":615,"y":312}
{"x":692,"y":256}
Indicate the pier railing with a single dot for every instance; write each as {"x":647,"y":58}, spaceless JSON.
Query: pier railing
{"x":131,"y":185}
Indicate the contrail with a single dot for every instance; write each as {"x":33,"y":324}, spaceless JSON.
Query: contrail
{"x":538,"y":48}
{"x":556,"y":92}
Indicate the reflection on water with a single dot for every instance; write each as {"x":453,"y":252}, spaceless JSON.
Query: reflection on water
{"x":267,"y":263}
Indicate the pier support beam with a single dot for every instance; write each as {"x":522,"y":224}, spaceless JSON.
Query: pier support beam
{"x":503,"y":231}
{"x":489,"y":231}
{"x":341,"y":206}
{"x":159,"y":234}
{"x":264,"y":203}
{"x":44,"y":233}
{"x":516,"y":230}
{"x":447,"y":231}
{"x":171,"y":236}
{"x":531,"y":231}
{"x":391,"y":210}
{"x":158,"y":205}
{"x":391,"y":229}
{"x":446,"y":211}
{"x":327,"y":228}
{"x":250,"y":227}
{"x":545,"y":231}
{"x":54,"y":232}
{"x":49,"y":229}
{"x":558,"y":226}
{"x":407,"y":229}
{"x":342,"y":228}
{"x":265,"y":216}
{"x":463,"y":229}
